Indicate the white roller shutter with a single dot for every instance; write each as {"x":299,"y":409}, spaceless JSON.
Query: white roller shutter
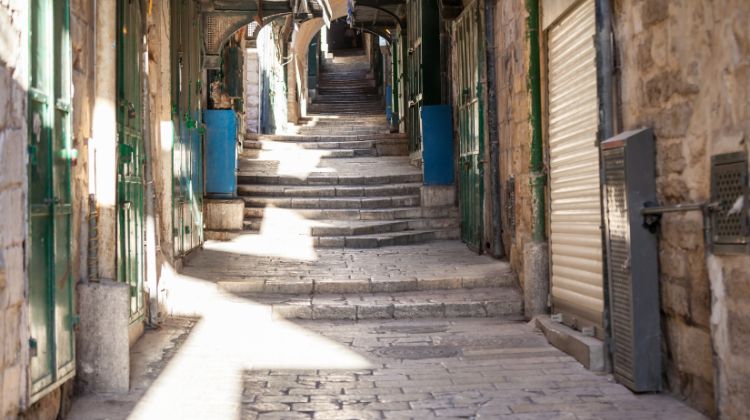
{"x":575,"y":236}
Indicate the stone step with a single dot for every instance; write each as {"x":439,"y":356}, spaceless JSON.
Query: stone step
{"x":487,"y":274}
{"x":443,"y":212}
{"x":355,"y":241}
{"x":252,"y":150}
{"x":446,"y":228}
{"x":359,"y":148}
{"x":475,"y":303}
{"x":348,"y":89}
{"x":255,"y":153}
{"x":332,"y":202}
{"x":355,"y":100}
{"x":333,"y":109}
{"x":326,"y":179}
{"x":353,"y":75}
{"x":376,"y":240}
{"x":325,"y":228}
{"x":302,"y":138}
{"x":329,"y":191}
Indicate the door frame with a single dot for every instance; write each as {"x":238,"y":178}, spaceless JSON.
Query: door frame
{"x":475,"y":237}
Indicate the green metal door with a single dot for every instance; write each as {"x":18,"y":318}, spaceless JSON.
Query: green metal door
{"x":422,"y":49}
{"x":469,"y":50}
{"x":414,"y":66}
{"x":187,"y":151}
{"x":131,"y":154}
{"x":52,"y":314}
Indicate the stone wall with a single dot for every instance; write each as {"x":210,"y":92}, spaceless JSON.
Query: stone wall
{"x":514,"y":129}
{"x":685,"y":71}
{"x":13,"y":187}
{"x":273,"y":88}
{"x":252,"y":91}
{"x":160,"y":101}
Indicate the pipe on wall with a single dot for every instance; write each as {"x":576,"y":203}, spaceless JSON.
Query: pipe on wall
{"x":536,"y":163}
{"x":151,"y":239}
{"x":605,"y":93}
{"x":498,"y":250}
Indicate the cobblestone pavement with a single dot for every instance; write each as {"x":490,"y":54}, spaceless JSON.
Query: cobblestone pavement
{"x":447,"y":369}
{"x":246,"y":262}
{"x":420,"y":369}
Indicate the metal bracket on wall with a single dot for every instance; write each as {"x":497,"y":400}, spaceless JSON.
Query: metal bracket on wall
{"x":730,"y":227}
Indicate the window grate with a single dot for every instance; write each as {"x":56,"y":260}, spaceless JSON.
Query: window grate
{"x":729,"y":189}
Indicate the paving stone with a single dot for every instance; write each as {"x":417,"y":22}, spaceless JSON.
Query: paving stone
{"x":461,"y":310}
{"x":418,"y":310}
{"x":375,"y":311}
{"x":346,"y":286}
{"x":266,"y":407}
{"x":334,"y":312}
{"x":292,"y":312}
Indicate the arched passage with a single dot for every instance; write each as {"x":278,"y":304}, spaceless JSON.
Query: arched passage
{"x":310,"y":28}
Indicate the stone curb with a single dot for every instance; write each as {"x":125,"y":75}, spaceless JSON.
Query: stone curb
{"x":502,"y":279}
{"x":484,"y":309}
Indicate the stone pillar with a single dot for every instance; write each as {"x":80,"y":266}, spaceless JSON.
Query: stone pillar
{"x":292,"y":103}
{"x":252,"y":91}
{"x":535,"y":279}
{"x":103,"y":349}
{"x":105,"y":136}
{"x":104,"y":307}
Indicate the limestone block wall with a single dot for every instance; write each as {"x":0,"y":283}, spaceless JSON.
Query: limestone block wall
{"x":82,"y":46}
{"x":273,"y":89}
{"x":685,"y":69}
{"x":514,"y":129}
{"x":252,"y":91}
{"x":160,"y":101}
{"x":13,"y":196}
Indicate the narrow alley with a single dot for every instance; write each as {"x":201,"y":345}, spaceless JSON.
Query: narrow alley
{"x":347,"y":297}
{"x":374,"y":209}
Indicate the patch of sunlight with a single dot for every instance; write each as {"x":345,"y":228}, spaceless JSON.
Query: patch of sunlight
{"x":293,"y":160}
{"x":204,"y":378}
{"x":283,"y":233}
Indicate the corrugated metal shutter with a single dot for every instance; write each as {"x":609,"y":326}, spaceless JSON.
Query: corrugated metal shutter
{"x":575,"y":237}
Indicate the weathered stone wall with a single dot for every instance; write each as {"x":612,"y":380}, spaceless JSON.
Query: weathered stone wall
{"x":514,"y":129}
{"x":13,"y":187}
{"x":685,"y":69}
{"x":252,"y":91}
{"x":273,"y":87}
{"x":160,"y":94}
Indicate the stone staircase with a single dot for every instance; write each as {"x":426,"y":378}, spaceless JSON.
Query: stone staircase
{"x":342,"y":171}
{"x":346,"y":86}
{"x":326,"y":207}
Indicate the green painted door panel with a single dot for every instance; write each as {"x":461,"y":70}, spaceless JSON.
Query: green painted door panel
{"x":187,"y":151}
{"x":422,"y":52}
{"x":131,"y":157}
{"x":469,"y":50}
{"x":63,"y":203}
{"x":50,"y":210}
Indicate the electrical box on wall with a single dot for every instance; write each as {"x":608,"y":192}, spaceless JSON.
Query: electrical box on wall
{"x":730,"y":227}
{"x":632,"y":259}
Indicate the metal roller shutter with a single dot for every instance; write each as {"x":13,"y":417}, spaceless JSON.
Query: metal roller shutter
{"x":575,"y":219}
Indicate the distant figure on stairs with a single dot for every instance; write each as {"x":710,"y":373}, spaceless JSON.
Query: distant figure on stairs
{"x":351,"y":37}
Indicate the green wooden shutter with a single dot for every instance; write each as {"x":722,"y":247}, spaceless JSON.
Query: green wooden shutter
{"x":469,"y":51}
{"x":131,"y":154}
{"x":51,"y":309}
